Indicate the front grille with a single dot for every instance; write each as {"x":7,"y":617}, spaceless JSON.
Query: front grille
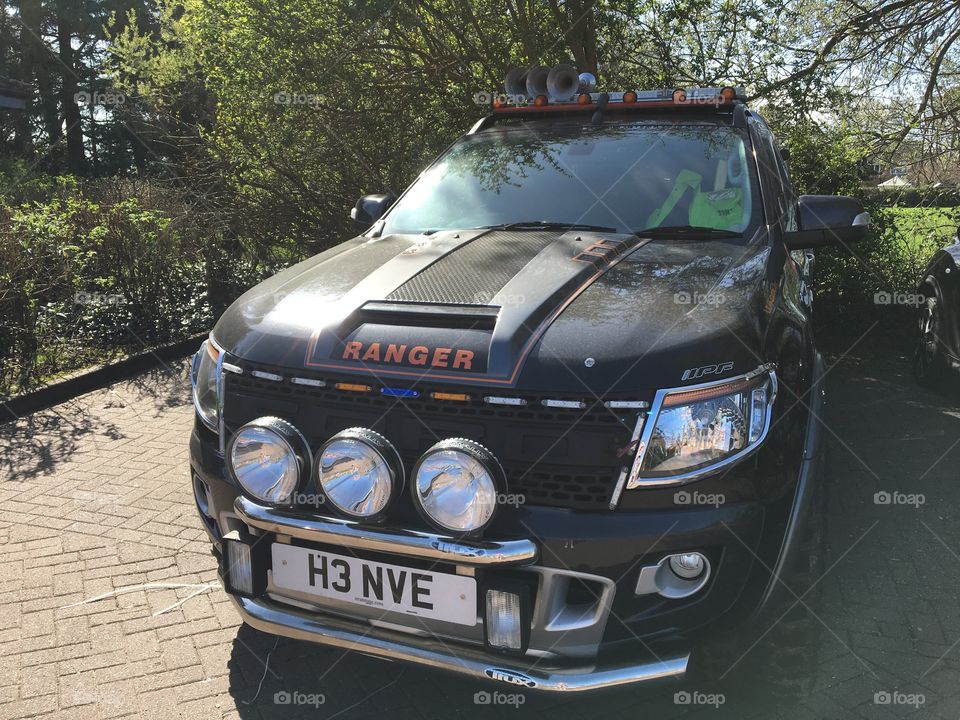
{"x":555,"y":457}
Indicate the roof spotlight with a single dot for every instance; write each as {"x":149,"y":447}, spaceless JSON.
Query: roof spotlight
{"x":588,"y":82}
{"x":679,"y":95}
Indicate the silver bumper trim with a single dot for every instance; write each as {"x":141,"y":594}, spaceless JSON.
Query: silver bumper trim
{"x":397,"y":542}
{"x":278,"y":619}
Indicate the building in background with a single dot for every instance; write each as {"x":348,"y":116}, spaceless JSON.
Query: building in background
{"x":14,"y":94}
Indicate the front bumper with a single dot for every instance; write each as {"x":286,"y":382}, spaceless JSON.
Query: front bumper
{"x":409,"y":543}
{"x":637,"y":639}
{"x":282,"y":620}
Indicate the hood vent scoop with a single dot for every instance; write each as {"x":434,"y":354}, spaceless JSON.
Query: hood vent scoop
{"x":439,"y":315}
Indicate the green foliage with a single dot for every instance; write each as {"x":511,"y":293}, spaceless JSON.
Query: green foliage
{"x":93,"y":269}
{"x":825,"y":156}
{"x":852,"y":284}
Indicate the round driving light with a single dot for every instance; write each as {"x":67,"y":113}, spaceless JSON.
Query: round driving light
{"x":268,"y":456}
{"x":359,"y":472}
{"x":455,"y":486}
{"x":688,"y":566}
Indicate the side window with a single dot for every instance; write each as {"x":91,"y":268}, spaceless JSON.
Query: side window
{"x":772,"y":175}
{"x":790,"y":219}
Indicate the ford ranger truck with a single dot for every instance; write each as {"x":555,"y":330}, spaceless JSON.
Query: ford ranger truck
{"x":550,"y":420}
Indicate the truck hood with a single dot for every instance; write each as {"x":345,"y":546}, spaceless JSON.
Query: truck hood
{"x":560,"y":312}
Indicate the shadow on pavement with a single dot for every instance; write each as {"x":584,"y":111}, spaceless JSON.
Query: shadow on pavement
{"x":35,"y":444}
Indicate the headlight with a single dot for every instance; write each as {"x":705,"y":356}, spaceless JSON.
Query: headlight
{"x":205,"y":379}
{"x":455,"y":486}
{"x":694,"y":430}
{"x":358,"y":471}
{"x":267,"y":457}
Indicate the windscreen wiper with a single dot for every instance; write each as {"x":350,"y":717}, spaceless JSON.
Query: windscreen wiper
{"x":545,"y":225}
{"x":686,"y":231}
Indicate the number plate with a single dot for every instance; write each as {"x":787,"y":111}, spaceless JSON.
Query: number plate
{"x":435,"y":595}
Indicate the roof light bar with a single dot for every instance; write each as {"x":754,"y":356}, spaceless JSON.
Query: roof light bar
{"x":666,"y":97}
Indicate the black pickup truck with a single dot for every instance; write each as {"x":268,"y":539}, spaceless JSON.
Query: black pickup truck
{"x":551,"y":419}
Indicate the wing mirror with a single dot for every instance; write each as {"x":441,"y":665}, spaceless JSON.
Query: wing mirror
{"x":371,"y":208}
{"x":828,"y":220}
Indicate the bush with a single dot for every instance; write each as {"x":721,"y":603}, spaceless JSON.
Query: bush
{"x":869,"y":282}
{"x":96,"y":270}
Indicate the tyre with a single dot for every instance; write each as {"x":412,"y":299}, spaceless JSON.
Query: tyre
{"x":930,"y":363}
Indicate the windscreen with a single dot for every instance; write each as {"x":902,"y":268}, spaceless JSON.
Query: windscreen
{"x":627,"y":177}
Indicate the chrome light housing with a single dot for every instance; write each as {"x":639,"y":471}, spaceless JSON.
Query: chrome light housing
{"x":455,"y":486}
{"x":268,"y":458}
{"x":695,"y":430}
{"x":205,"y":379}
{"x":359,"y":472}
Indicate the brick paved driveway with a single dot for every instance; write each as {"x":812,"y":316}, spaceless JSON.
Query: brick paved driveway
{"x":94,"y":501}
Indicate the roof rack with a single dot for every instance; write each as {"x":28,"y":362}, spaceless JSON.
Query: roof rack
{"x":627,"y":100}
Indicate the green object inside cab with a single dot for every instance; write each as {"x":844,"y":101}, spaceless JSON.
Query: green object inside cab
{"x":720,"y":209}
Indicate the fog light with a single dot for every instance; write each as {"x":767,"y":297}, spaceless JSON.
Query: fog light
{"x":239,"y":567}
{"x":504,"y":620}
{"x":688,"y":566}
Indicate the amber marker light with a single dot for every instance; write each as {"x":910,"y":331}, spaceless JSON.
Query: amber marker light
{"x":629,"y":96}
{"x":353,"y":387}
{"x":453,"y":397}
{"x":679,"y":95}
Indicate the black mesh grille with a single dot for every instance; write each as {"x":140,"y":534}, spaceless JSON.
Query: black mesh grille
{"x":556,"y":457}
{"x":476,"y":272}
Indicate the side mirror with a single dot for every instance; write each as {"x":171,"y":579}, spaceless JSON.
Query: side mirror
{"x":371,"y":208}
{"x":828,"y":220}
